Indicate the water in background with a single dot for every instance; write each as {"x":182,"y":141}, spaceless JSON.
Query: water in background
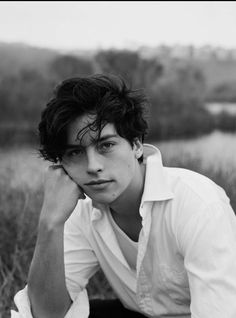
{"x":217,"y":149}
{"x":217,"y":108}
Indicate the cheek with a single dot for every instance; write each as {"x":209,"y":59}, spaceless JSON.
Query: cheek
{"x":131,"y":163}
{"x":127,"y":169}
{"x":67,"y":169}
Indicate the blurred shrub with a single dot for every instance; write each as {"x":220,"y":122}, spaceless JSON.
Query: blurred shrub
{"x":22,"y":96}
{"x":12,"y":134}
{"x":178,"y":105}
{"x":225,"y":122}
{"x":224,"y":92}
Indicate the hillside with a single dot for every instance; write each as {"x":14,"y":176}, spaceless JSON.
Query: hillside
{"x":179,"y":86}
{"x":216,"y":63}
{"x":17,"y":56}
{"x":216,"y":68}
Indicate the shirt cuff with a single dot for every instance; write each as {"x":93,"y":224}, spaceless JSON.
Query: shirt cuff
{"x":78,"y":309}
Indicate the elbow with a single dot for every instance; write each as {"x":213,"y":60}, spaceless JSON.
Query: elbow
{"x":43,"y":307}
{"x":47,"y":314}
{"x":48,"y":311}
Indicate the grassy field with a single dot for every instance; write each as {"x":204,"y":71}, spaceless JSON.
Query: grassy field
{"x":21,"y":198}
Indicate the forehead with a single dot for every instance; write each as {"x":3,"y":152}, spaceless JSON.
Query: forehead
{"x":78,"y":131}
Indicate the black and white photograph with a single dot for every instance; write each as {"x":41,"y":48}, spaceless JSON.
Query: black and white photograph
{"x":117,"y":159}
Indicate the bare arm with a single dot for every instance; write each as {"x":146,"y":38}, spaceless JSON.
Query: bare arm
{"x":46,"y":281}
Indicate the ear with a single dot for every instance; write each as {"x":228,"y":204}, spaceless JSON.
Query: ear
{"x":138,"y":148}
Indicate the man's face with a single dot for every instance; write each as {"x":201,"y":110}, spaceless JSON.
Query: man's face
{"x":105,"y":166}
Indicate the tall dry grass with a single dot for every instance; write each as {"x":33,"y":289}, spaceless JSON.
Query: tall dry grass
{"x":21,"y":197}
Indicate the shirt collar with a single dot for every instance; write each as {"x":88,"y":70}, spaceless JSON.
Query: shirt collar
{"x":156,"y":186}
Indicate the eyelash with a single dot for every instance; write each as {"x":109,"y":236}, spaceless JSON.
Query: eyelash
{"x":77,"y":152}
{"x":105,"y":147}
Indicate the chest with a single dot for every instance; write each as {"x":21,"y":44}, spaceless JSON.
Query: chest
{"x":130,"y":226}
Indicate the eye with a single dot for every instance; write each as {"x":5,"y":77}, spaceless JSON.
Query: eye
{"x":106,"y":146}
{"x":74,"y":152}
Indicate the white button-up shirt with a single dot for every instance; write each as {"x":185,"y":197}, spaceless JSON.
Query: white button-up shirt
{"x":186,"y":263}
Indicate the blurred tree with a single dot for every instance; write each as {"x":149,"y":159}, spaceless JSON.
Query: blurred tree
{"x":177,"y":101}
{"x":149,"y":74}
{"x":121,"y":62}
{"x":141,"y":73}
{"x":177,"y":91}
{"x":22,"y":96}
{"x":185,"y":82}
{"x":66,"y":66}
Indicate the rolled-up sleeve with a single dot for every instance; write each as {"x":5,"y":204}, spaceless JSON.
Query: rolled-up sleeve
{"x":80,"y":264}
{"x":78,"y":309}
{"x":208,"y":243}
{"x":79,"y":258}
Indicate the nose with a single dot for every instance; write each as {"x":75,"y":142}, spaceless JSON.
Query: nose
{"x":94,"y":162}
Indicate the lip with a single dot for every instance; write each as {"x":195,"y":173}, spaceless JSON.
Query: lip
{"x":99,"y":185}
{"x":97,"y":182}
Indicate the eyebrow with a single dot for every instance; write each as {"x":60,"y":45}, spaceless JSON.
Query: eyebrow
{"x":100,"y":139}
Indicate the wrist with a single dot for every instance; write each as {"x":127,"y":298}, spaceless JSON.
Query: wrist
{"x":50,"y":224}
{"x":49,"y":232}
{"x":52,"y":217}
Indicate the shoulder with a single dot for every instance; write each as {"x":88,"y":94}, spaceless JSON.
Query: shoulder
{"x":190,"y":185}
{"x":196,"y":199}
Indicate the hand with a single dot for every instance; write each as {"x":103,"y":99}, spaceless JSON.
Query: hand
{"x":61,"y":195}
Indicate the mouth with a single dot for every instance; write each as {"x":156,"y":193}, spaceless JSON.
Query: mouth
{"x":98,"y":184}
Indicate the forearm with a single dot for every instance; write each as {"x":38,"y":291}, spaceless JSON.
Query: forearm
{"x":46,"y":282}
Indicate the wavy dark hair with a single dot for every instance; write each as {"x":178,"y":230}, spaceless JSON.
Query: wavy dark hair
{"x":106,"y":96}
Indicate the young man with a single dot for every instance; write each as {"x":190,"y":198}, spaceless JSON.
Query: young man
{"x":164,"y":237}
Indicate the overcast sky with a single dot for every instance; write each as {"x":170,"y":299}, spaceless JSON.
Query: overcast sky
{"x":118,"y":24}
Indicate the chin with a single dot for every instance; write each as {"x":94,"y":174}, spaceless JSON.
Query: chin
{"x":103,"y":198}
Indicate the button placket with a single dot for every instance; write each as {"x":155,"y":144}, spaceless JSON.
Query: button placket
{"x":143,"y":289}
{"x":144,"y":295}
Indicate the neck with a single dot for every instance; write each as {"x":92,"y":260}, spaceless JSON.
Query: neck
{"x":127,"y":205}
